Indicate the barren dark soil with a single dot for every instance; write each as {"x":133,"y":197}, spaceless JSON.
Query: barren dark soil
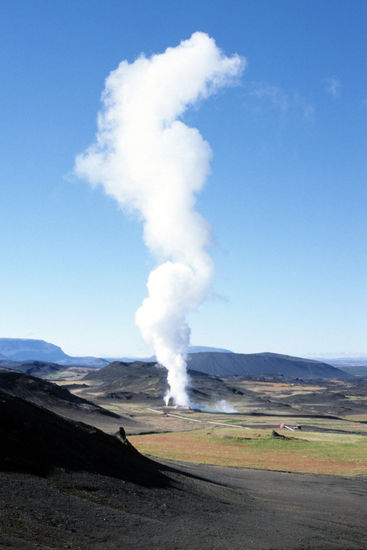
{"x":93,"y":491}
{"x":231,"y":509}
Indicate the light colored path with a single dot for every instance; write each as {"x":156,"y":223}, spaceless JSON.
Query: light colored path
{"x":195,"y":420}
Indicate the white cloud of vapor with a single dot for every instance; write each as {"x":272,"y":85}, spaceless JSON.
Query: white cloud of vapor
{"x":151,"y":162}
{"x":333,"y":86}
{"x":270,"y":92}
{"x":286,"y":102}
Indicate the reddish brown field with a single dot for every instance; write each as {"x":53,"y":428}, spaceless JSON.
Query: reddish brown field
{"x":226,"y":448}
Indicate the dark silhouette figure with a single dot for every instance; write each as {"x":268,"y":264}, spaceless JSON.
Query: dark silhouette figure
{"x":122,"y":434}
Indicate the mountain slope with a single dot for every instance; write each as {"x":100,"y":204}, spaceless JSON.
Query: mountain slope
{"x":199,"y":349}
{"x":224,"y":365}
{"x":20,"y":349}
{"x":120,"y":368}
{"x":148,"y":381}
{"x":23,"y":349}
{"x":37,"y":441}
{"x":262,"y":364}
{"x":41,"y":369}
{"x":55,"y":398}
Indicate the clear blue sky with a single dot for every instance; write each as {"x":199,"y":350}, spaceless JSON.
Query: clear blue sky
{"x":286,"y":197}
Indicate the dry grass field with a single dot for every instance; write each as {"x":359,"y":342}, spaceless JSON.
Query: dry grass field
{"x":322,"y":453}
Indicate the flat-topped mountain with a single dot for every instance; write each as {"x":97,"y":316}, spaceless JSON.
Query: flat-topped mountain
{"x":24,"y":349}
{"x":20,"y":349}
{"x":227,"y":365}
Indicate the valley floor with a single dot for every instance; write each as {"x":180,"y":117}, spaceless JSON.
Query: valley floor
{"x":203,"y":507}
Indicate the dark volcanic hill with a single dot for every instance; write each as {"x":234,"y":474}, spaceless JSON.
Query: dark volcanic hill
{"x":41,"y":369}
{"x":53,"y":398}
{"x":120,"y":368}
{"x":136,"y":380}
{"x":262,"y":364}
{"x":35,"y":440}
{"x":148,"y":381}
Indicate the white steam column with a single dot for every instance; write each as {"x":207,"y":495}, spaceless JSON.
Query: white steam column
{"x":151,"y":162}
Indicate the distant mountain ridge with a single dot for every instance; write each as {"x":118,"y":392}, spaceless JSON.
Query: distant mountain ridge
{"x":214,"y":361}
{"x":24,"y":349}
{"x":21,"y":349}
{"x":152,"y":358}
{"x":262,"y":364}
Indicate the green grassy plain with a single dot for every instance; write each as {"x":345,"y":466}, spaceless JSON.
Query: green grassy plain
{"x":323,"y":453}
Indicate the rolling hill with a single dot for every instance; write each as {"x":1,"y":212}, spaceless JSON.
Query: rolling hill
{"x":41,"y":369}
{"x":58,"y":400}
{"x":141,"y":381}
{"x":35,"y":440}
{"x":226,"y":365}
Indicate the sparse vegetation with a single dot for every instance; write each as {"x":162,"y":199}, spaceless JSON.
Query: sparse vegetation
{"x":341,"y":454}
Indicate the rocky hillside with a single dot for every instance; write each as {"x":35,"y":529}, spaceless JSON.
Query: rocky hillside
{"x":54,"y":398}
{"x":37,"y":441}
{"x":141,"y":381}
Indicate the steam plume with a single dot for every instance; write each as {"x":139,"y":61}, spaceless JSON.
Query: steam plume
{"x":151,"y":162}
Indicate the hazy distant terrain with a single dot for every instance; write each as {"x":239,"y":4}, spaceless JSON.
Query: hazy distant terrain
{"x":147,"y":382}
{"x":259,"y":364}
{"x":42,"y":369}
{"x":19,"y":349}
{"x":357,"y":366}
{"x":360,"y":371}
{"x":213,"y":361}
{"x":23,"y":349}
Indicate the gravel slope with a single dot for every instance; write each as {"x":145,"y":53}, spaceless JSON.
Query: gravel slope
{"x":233,"y":509}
